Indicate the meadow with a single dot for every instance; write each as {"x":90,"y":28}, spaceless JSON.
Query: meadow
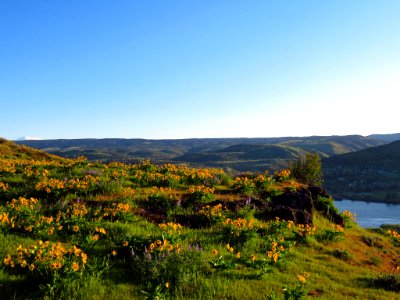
{"x":78,"y":229}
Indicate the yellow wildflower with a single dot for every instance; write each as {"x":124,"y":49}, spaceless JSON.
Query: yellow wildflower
{"x":84,"y":257}
{"x":301,"y":278}
{"x":75,"y":266}
{"x":56,"y":265}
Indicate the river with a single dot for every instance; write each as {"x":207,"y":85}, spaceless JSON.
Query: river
{"x":371,"y":214}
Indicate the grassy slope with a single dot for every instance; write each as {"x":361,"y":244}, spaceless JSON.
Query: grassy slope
{"x":11,"y":150}
{"x":338,"y":270}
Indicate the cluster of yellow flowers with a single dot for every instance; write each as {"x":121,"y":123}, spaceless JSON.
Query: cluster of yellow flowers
{"x":128,"y":192}
{"x":303,"y":277}
{"x":50,"y":184}
{"x":212,"y":212}
{"x":239,"y":223}
{"x":118,"y":165}
{"x":350,"y":215}
{"x":282,"y":173}
{"x":201,"y":189}
{"x":290,"y":224}
{"x":188,"y":172}
{"x":303,"y":230}
{"x":83,"y":183}
{"x":21,"y":202}
{"x":393,"y":233}
{"x":261,"y":180}
{"x":3,"y":186}
{"x":164,"y":245}
{"x":5,"y":219}
{"x":337,"y":228}
{"x":154,"y":177}
{"x":7,"y":166}
{"x":79,"y":209}
{"x":117,"y":208}
{"x":23,"y":214}
{"x":120,"y":173}
{"x":243,"y":183}
{"x":47,"y":255}
{"x":158,"y":190}
{"x":96,"y":236}
{"x":170,"y":226}
{"x":275,"y":252}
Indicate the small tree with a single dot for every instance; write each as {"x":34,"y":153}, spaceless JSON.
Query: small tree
{"x":307,"y":169}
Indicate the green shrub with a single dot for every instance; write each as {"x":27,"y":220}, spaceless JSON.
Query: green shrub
{"x":307,"y":169}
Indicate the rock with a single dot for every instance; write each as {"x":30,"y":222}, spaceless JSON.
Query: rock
{"x":300,"y":200}
{"x":295,"y":206}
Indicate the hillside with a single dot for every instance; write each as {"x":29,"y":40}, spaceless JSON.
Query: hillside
{"x":259,"y":153}
{"x":370,"y":174}
{"x":386,"y":137}
{"x":244,"y":157}
{"x":10,"y":150}
{"x":76,"y":229}
{"x":334,"y":145}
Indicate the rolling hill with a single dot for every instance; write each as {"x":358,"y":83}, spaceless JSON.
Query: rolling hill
{"x":10,"y":150}
{"x":370,"y":174}
{"x":237,"y":154}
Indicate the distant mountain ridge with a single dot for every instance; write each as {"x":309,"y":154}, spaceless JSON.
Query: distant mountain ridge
{"x":237,"y":154}
{"x":386,"y":137}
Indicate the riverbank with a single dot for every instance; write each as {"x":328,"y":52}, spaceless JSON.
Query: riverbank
{"x":381,"y":197}
{"x":371,"y":214}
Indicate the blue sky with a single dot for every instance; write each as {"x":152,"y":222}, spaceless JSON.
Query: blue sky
{"x":182,"y":69}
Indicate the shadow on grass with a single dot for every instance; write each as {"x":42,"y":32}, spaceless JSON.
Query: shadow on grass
{"x":255,"y":275}
{"x":21,"y":288}
{"x":388,"y":282}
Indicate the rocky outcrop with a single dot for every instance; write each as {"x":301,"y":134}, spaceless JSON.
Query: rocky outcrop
{"x":297,"y":206}
{"x":300,"y":205}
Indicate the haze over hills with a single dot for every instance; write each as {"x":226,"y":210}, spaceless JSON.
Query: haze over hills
{"x":237,"y":154}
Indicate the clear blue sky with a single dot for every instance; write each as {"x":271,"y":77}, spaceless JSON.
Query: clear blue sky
{"x":181,"y":69}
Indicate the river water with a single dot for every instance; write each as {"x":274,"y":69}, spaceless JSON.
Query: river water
{"x":371,"y":214}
